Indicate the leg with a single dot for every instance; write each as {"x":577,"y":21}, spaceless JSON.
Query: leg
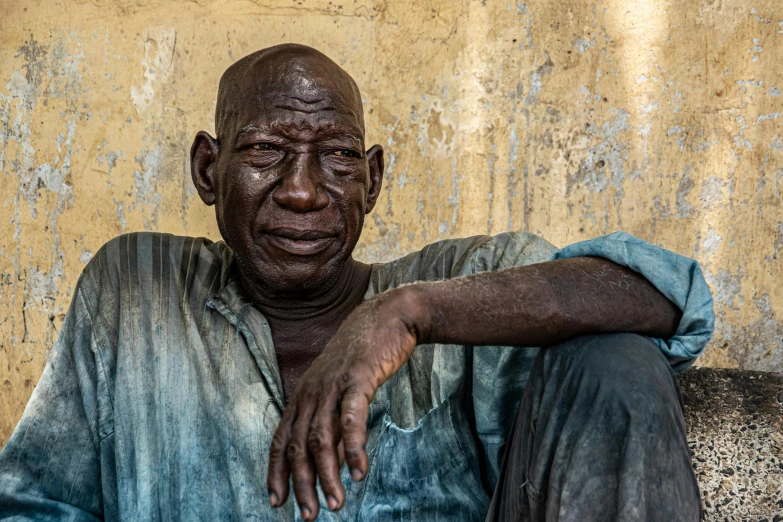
{"x":599,"y":435}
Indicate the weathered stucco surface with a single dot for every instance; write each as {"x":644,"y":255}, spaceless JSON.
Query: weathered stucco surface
{"x":566,"y":119}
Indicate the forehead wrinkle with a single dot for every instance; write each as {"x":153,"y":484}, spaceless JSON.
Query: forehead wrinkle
{"x":305,"y":101}
{"x":276,"y":127}
{"x":324,"y":102}
{"x":305,"y":111}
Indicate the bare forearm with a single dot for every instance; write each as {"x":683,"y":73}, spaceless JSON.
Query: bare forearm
{"x":542,"y":304}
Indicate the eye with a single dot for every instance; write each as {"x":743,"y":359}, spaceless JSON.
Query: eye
{"x":347,"y":153}
{"x":262,"y":146}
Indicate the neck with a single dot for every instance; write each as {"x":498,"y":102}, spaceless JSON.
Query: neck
{"x":328,"y":306}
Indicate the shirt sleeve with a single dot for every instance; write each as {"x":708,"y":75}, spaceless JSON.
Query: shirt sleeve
{"x":678,"y":278}
{"x":50,"y":468}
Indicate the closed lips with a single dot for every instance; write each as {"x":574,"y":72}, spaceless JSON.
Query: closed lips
{"x":302,"y":235}
{"x":299,"y":242}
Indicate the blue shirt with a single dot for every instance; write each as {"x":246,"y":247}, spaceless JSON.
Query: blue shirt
{"x":162,"y":393}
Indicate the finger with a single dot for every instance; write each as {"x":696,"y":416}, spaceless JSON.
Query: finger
{"x":340,"y":453}
{"x":277,"y":476}
{"x":353,"y":425}
{"x":301,"y":463}
{"x":322,"y":444}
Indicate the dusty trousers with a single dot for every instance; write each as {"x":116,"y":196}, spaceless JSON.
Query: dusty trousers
{"x":599,"y":436}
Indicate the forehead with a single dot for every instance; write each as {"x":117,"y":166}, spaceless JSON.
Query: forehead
{"x":293,"y":98}
{"x":292,"y":116}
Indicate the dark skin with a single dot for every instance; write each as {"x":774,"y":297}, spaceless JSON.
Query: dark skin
{"x":291,"y":184}
{"x":291,"y":181}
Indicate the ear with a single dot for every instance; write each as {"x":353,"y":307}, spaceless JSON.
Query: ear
{"x":375,"y":160}
{"x":203,"y":155}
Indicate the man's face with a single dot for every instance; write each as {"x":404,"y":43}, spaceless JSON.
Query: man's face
{"x":292,"y":180}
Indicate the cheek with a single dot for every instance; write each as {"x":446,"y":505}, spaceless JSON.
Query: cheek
{"x":246,"y":182}
{"x":350,"y":192}
{"x":353,"y":207}
{"x":261,"y":179}
{"x":243,"y":191}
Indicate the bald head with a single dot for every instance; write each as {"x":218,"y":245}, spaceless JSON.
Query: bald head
{"x":288,"y":76}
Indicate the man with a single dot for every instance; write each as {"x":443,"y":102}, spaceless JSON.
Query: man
{"x":199,"y":381}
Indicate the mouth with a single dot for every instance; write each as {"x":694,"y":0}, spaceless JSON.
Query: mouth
{"x":299,"y":242}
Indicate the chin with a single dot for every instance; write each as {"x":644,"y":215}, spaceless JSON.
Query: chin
{"x":294,"y":275}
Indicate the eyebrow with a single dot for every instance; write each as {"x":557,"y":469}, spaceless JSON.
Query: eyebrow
{"x":268,"y":129}
{"x":247,"y":129}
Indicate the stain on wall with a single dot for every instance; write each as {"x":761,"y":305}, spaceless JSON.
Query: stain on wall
{"x":566,"y":119}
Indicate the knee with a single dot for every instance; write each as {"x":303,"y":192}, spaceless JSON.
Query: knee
{"x":622,"y":365}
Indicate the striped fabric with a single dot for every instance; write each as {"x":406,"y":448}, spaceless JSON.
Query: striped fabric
{"x":162,"y":394}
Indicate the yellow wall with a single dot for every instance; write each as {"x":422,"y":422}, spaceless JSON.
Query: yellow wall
{"x":563,"y":118}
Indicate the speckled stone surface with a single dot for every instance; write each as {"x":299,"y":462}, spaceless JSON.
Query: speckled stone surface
{"x":735,"y":431}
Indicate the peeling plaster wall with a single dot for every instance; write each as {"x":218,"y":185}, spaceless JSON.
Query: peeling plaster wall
{"x":566,"y":119}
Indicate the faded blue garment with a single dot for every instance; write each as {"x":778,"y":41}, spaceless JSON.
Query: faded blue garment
{"x":162,"y":393}
{"x":678,"y":278}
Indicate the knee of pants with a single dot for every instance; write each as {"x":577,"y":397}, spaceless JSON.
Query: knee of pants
{"x":622,"y":365}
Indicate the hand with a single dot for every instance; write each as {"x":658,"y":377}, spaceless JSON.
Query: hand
{"x":328,"y":409}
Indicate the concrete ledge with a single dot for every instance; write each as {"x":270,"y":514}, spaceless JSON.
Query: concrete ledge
{"x":735,"y":431}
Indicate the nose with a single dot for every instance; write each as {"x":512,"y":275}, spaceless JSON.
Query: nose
{"x":300,"y":189}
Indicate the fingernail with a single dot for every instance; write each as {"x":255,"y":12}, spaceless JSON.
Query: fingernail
{"x":273,"y":499}
{"x":332,"y":502}
{"x":356,"y":474}
{"x":305,"y":512}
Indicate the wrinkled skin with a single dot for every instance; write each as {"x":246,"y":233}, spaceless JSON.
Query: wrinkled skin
{"x":330,"y":405}
{"x":289,"y":177}
{"x":291,"y":182}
